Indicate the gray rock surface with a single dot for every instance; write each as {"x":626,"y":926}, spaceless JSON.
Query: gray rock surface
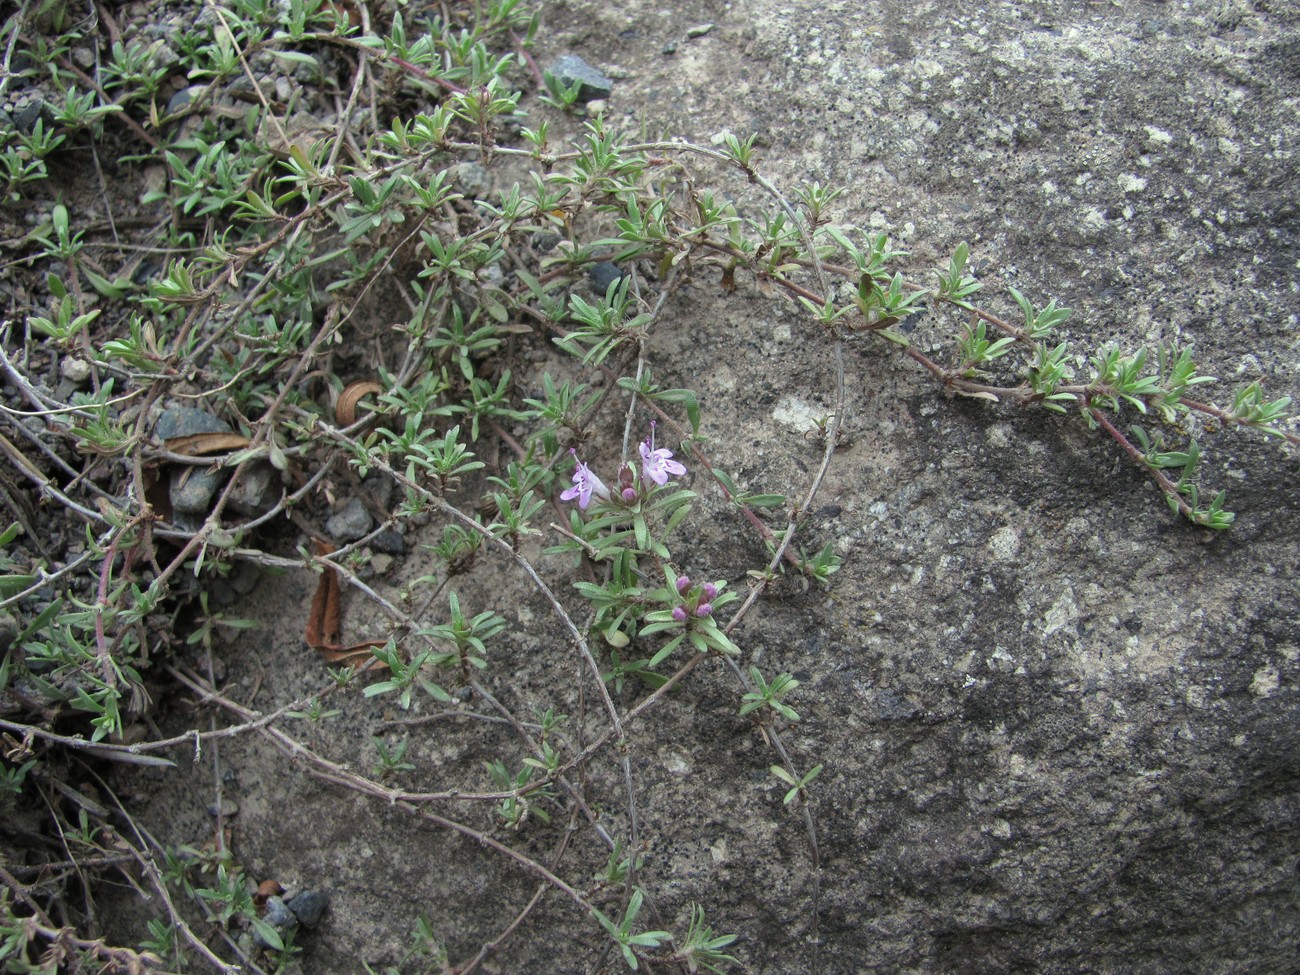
{"x":1059,"y":728}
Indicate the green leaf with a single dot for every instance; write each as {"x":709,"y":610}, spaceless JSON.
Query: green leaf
{"x":267,"y":933}
{"x":295,"y":57}
{"x":40,"y":622}
{"x":109,"y":289}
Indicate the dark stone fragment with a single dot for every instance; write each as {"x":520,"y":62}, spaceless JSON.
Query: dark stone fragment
{"x":389,"y":542}
{"x":309,"y":907}
{"x":602,"y":275}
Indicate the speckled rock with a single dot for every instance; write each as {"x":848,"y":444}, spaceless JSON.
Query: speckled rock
{"x":351,"y":522}
{"x":309,"y":907}
{"x":570,"y":68}
{"x":187,"y":421}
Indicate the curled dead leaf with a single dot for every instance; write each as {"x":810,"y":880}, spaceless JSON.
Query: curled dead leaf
{"x":357,"y":655}
{"x":345,"y":410}
{"x":266,"y":889}
{"x":325,"y":624}
{"x":202,"y":444}
{"x":325,"y":620}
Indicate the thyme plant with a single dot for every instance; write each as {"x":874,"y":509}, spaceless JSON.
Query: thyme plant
{"x":457,"y":183}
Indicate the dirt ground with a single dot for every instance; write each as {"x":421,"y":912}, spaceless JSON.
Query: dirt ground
{"x":1058,"y":725}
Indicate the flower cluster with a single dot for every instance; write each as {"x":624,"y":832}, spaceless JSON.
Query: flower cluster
{"x":657,"y":465}
{"x":698,"y":599}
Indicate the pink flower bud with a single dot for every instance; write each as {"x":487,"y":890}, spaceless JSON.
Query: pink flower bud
{"x":710,"y":591}
{"x":704,"y":609}
{"x":679,"y":614}
{"x":683,"y":582}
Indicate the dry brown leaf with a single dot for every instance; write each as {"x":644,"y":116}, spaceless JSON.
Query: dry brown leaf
{"x":357,"y":655}
{"x":266,"y":890}
{"x":199,"y":444}
{"x":325,"y":624}
{"x":345,"y":411}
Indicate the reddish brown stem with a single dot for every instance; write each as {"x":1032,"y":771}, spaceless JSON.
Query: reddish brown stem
{"x":1168,"y":487}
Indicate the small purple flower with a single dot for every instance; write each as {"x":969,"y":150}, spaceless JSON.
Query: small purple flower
{"x":585,"y":484}
{"x":679,"y":614}
{"x":657,"y":465}
{"x":710,"y":591}
{"x":683,"y":583}
{"x":703,"y":610}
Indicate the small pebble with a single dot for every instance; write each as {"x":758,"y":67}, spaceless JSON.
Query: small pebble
{"x":389,"y":541}
{"x":309,"y":906}
{"x":228,"y":808}
{"x":74,"y":370}
{"x":192,"y":489}
{"x":350,"y":523}
{"x":257,"y":490}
